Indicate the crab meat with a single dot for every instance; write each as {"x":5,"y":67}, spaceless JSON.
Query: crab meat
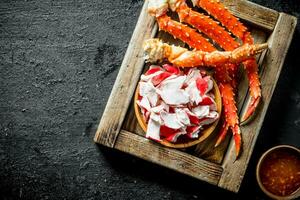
{"x":170,"y":120}
{"x":193,"y":92}
{"x":173,"y":84}
{"x":147,"y":90}
{"x":146,"y":78}
{"x":175,"y":97}
{"x":158,"y":109}
{"x":153,"y":130}
{"x":192,"y":75}
{"x":144,"y":103}
{"x":182,"y":116}
{"x":201,"y":111}
{"x":152,"y":69}
{"x":171,"y":93}
{"x":192,"y":131}
{"x":210,"y":118}
{"x":172,"y":103}
{"x":155,"y":117}
{"x":204,"y":85}
{"x":192,"y":117}
{"x":207,"y":100}
{"x":173,"y":137}
{"x":172,"y":69}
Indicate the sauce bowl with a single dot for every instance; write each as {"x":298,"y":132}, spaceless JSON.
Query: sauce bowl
{"x":278,"y":172}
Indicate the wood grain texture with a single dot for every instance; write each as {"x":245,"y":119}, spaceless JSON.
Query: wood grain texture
{"x":279,"y":42}
{"x":126,"y":81}
{"x":176,"y":160}
{"x":253,"y":13}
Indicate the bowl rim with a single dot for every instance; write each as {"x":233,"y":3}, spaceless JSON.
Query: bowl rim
{"x":293,"y":195}
{"x":206,"y":132}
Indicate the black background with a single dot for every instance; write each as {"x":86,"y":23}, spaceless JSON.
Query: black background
{"x":58,"y":63}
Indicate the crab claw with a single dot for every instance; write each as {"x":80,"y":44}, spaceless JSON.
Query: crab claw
{"x":231,"y":116}
{"x":237,"y":139}
{"x":251,"y":108}
{"x":222,"y":133}
{"x":254,"y":87}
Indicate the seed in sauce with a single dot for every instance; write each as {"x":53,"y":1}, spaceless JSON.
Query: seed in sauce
{"x":280,"y":172}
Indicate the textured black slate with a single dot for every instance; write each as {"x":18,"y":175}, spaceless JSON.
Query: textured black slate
{"x":58,"y":63}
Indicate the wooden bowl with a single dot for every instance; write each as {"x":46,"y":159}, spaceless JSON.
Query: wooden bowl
{"x":204,"y":133}
{"x":289,"y":150}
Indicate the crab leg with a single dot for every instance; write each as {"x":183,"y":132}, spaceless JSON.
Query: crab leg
{"x":183,"y":32}
{"x":188,"y":35}
{"x":160,"y":10}
{"x":217,"y":33}
{"x":156,"y":50}
{"x":219,"y":12}
{"x":205,"y":24}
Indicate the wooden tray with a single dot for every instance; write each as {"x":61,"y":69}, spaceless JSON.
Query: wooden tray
{"x":119,"y":128}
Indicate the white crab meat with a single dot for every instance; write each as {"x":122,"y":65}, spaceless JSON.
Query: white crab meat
{"x":170,"y":120}
{"x":210,"y":118}
{"x":192,"y":131}
{"x":182,"y":116}
{"x":147,"y":90}
{"x":175,"y":97}
{"x":153,"y":130}
{"x":171,"y":93}
{"x":166,"y":107}
{"x":213,"y":115}
{"x":173,"y":104}
{"x":144,"y":103}
{"x":147,"y":78}
{"x":153,"y":99}
{"x":201,"y":111}
{"x":192,"y":76}
{"x":210,"y":84}
{"x":155,"y":117}
{"x":172,"y":84}
{"x":193,"y":92}
{"x":158,"y":108}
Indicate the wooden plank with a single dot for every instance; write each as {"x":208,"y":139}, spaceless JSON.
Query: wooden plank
{"x":130,"y":122}
{"x":126,"y":81}
{"x":279,"y":41}
{"x":253,"y":13}
{"x":171,"y":158}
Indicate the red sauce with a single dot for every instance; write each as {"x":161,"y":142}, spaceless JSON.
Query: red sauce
{"x":280,"y":172}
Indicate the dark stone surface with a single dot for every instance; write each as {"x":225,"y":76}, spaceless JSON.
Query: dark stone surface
{"x":58,"y":63}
